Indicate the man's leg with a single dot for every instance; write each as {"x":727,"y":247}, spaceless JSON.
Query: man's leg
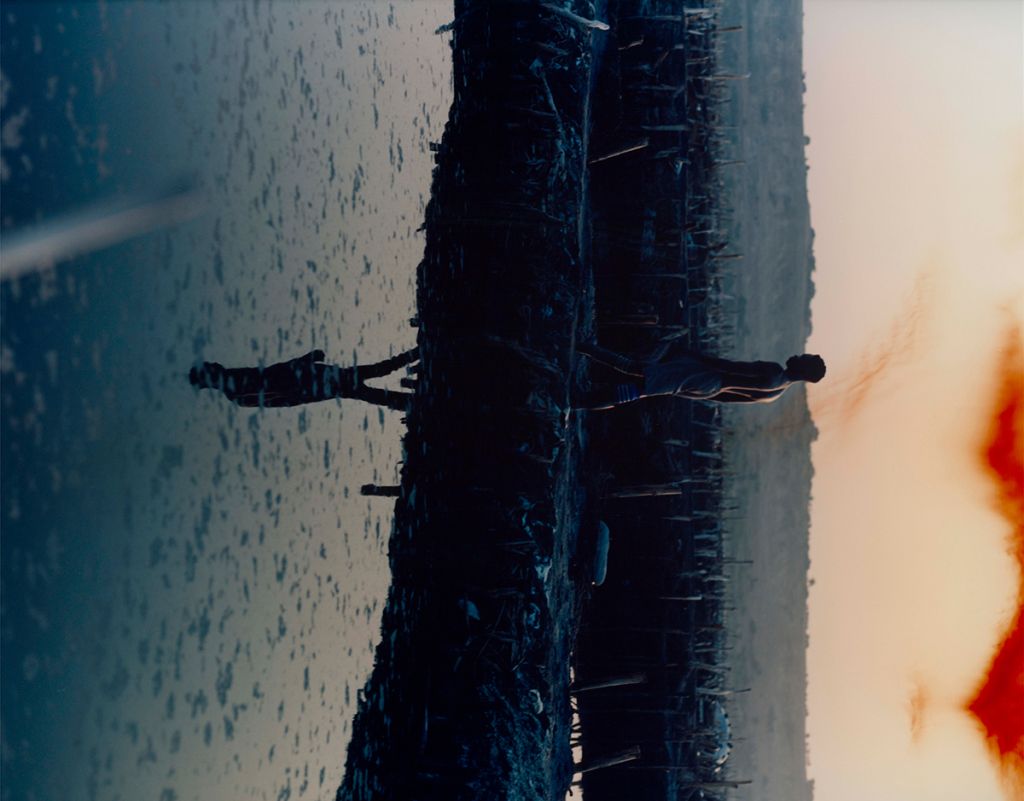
{"x":303,"y":380}
{"x":312,"y":357}
{"x":608,"y":396}
{"x":382,"y":397}
{"x":387,"y":366}
{"x":624,"y":364}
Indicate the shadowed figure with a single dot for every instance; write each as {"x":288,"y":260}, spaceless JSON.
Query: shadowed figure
{"x":303,"y":380}
{"x":697,"y":377}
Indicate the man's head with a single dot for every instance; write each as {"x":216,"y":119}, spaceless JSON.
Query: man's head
{"x":808,"y":367}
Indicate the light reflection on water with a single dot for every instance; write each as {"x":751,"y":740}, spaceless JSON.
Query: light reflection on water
{"x":192,"y":591}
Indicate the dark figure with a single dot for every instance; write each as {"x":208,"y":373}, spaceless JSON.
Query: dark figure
{"x":303,"y":380}
{"x":697,"y":377}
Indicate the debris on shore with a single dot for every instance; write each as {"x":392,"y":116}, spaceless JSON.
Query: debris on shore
{"x":574,"y":198}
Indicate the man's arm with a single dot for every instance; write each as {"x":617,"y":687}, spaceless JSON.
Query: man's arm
{"x":756,"y":370}
{"x":735,"y":395}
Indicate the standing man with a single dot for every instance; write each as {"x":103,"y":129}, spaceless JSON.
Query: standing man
{"x":697,"y":377}
{"x":306,"y":379}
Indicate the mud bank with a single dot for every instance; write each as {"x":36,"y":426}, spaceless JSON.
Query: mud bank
{"x":468,"y":697}
{"x":575,"y":197}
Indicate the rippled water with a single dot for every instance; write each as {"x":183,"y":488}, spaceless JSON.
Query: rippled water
{"x":192,"y":591}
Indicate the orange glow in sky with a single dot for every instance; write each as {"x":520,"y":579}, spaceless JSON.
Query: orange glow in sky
{"x":915,"y":660}
{"x":999,"y":701}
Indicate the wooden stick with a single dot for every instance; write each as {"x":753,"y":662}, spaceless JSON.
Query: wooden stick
{"x":716,"y":785}
{"x":646,"y":492}
{"x":621,"y":681}
{"x":629,"y":755}
{"x":594,"y":24}
{"x":709,"y":691}
{"x":669,"y":127}
{"x":628,"y":149}
{"x":629,"y":319}
{"x":381,"y":490}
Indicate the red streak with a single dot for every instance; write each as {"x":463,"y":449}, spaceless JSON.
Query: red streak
{"x":999,"y":701}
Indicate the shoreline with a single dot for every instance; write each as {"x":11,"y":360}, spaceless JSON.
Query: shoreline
{"x":534,"y":243}
{"x":468,"y":697}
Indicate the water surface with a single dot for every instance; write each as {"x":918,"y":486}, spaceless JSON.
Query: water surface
{"x":192,"y":591}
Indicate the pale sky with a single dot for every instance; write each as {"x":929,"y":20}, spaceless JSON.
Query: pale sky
{"x":915,"y":112}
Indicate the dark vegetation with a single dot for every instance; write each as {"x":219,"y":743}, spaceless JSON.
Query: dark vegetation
{"x":657,"y":260}
{"x":468,"y":697}
{"x":573,"y":197}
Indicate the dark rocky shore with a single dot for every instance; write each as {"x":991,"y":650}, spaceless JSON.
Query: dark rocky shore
{"x":468,"y":697}
{"x":574,"y":198}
